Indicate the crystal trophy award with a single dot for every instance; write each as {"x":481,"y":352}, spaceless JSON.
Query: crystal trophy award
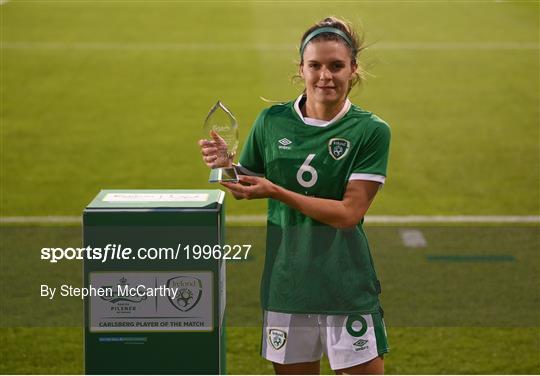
{"x":222,"y":121}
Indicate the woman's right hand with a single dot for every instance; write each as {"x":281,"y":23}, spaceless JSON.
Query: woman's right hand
{"x":214,"y":152}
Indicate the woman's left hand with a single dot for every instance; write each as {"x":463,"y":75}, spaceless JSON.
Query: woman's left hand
{"x":250,"y":187}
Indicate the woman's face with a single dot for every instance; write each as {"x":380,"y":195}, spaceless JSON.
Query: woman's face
{"x":327,"y":70}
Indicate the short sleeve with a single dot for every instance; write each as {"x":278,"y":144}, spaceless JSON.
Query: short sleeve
{"x":372,"y":159}
{"x":252,"y":155}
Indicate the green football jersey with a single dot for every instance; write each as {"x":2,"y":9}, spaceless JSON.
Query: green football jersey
{"x":311,"y":267}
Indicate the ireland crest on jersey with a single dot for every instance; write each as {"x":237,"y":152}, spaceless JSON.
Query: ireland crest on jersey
{"x":338,"y":147}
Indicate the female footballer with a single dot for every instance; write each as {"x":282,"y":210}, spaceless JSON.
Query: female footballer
{"x":319,"y":160}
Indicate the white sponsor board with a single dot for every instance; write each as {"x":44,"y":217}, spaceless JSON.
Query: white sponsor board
{"x":152,"y":301}
{"x":155,"y":197}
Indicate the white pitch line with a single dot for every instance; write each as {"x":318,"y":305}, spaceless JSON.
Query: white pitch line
{"x":184,"y":47}
{"x":262,"y":47}
{"x":457,"y":46}
{"x":413,"y":238}
{"x":41,"y":219}
{"x":453,"y":219}
{"x":384,"y":219}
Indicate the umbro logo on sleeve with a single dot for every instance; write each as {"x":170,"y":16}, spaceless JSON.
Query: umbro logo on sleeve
{"x":284,"y":144}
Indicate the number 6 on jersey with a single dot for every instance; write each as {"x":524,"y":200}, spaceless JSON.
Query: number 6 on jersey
{"x":306,"y":168}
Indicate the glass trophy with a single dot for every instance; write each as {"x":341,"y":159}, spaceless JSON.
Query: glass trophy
{"x":222,"y":121}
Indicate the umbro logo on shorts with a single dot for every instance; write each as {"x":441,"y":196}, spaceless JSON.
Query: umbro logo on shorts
{"x":277,"y":338}
{"x":359,"y":345}
{"x":284,"y":144}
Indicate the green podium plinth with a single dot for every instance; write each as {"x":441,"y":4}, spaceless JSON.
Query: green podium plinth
{"x":157,"y":303}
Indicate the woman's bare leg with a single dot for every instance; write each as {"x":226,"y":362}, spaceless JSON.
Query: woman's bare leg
{"x":373,"y":367}
{"x":307,"y":368}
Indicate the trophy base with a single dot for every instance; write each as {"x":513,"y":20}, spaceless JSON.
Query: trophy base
{"x":227,"y":174}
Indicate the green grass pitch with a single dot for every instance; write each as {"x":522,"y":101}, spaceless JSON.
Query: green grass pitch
{"x":113,"y":94}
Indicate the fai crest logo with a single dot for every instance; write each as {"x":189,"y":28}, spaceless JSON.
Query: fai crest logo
{"x":189,"y":292}
{"x":277,"y":338}
{"x":338,"y":147}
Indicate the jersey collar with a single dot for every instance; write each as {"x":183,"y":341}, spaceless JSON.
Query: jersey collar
{"x":318,"y":122}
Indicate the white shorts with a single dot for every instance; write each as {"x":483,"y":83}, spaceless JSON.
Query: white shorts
{"x":346,"y":340}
